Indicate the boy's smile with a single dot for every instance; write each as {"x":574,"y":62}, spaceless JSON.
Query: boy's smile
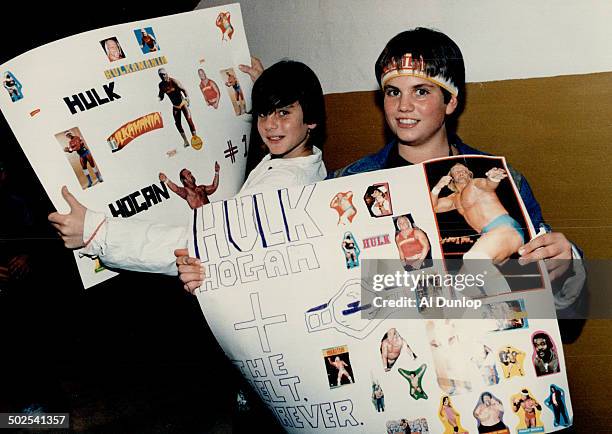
{"x":284,"y":132}
{"x":415,"y":110}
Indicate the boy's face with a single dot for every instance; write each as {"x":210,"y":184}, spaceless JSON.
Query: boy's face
{"x":415,"y":110}
{"x":283,"y":129}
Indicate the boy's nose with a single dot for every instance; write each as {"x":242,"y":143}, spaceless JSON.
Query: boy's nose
{"x":270,"y":122}
{"x":406,"y":104}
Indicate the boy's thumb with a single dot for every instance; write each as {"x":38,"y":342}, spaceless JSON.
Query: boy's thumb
{"x":70,"y":199}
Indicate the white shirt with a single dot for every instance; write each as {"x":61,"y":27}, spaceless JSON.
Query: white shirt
{"x":138,"y":245}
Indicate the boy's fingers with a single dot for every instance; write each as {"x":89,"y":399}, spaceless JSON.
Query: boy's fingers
{"x":536,"y":243}
{"x":70,"y":199}
{"x":191,"y":277}
{"x":56,"y":219}
{"x":191,"y":287}
{"x":181,"y":252}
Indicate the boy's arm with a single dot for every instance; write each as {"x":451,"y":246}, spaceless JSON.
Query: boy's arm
{"x":129,"y":244}
{"x":552,"y":245}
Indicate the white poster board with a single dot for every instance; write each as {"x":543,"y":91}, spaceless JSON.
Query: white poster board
{"x":103,"y":88}
{"x":286,"y":276}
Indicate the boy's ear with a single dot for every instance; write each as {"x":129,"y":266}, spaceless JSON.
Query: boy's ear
{"x":311,"y":126}
{"x":452,"y":105}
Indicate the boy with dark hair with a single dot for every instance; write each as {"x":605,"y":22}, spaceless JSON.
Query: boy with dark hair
{"x":422,"y":76}
{"x":289,"y":105}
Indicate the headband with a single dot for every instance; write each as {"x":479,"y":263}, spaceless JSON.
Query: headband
{"x":415,"y":68}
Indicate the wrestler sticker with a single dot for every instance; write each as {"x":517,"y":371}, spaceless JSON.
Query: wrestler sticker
{"x":415,"y":379}
{"x":338,"y":366}
{"x":392,"y":346}
{"x":343,"y":204}
{"x":528,"y":410}
{"x":556,"y":403}
{"x":484,"y":361}
{"x":80,"y":157}
{"x":450,"y":417}
{"x":403,"y":426}
{"x":177,"y":94}
{"x":112,"y":49}
{"x":545,"y":358}
{"x":489,"y":415}
{"x":412,"y":244}
{"x":146,"y":40}
{"x":450,"y":361}
{"x":195,"y":195}
{"x":506,"y":315}
{"x":479,"y":216}
{"x":234,"y":90}
{"x":224,"y":24}
{"x":377,"y":199}
{"x":511,"y":360}
{"x":351,"y":250}
{"x":210,"y":90}
{"x":378,"y":397}
{"x":98,"y":267}
{"x":133,"y":129}
{"x":12,"y":86}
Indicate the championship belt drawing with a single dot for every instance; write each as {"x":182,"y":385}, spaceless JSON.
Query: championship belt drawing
{"x":345,"y":312}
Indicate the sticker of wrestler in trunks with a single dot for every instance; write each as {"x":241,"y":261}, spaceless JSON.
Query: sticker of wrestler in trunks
{"x":80,"y":158}
{"x":481,"y":222}
{"x":177,"y":94}
{"x":234,"y":91}
{"x":412,"y":244}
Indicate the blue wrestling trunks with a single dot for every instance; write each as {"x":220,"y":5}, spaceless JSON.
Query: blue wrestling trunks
{"x":504,"y":220}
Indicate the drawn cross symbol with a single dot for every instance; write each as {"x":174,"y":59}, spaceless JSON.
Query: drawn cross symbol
{"x":260,"y":322}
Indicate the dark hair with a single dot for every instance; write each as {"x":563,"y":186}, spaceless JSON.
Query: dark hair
{"x":440,"y":53}
{"x":283,"y":84}
{"x":544,"y":336}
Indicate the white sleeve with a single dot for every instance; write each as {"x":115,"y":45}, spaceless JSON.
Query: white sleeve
{"x":275,"y":178}
{"x":132,"y":244}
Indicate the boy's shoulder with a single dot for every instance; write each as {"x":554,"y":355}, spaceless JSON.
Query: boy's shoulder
{"x":378,"y":160}
{"x":369,"y":163}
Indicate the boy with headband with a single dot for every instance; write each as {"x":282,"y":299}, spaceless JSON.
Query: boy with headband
{"x":422,"y":76}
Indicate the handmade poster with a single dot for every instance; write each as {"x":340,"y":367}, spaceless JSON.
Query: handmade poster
{"x":124,"y":116}
{"x":365,"y":323}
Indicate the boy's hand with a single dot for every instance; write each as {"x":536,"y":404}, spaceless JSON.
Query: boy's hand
{"x":70,"y":226}
{"x":553,"y":246}
{"x":191,"y":271}
{"x":254,"y":70}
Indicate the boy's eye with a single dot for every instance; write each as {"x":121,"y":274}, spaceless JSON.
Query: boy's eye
{"x":421,"y":92}
{"x":391,"y":92}
{"x":283,"y":113}
{"x":262,"y":115}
